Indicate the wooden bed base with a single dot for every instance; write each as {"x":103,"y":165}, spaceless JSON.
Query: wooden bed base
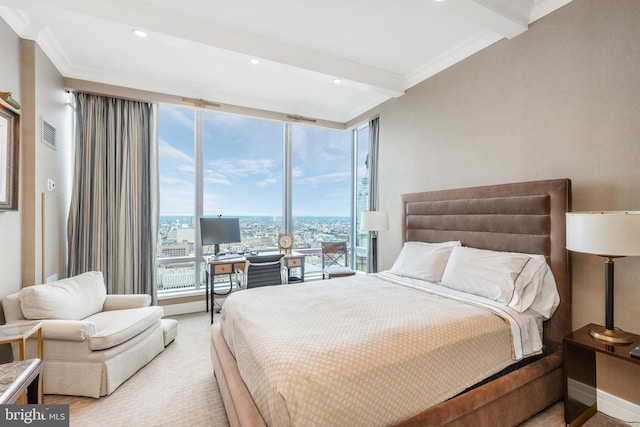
{"x":483,"y":217}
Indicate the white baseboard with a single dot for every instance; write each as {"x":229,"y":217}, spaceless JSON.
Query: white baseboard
{"x":184,"y":308}
{"x":621,"y":409}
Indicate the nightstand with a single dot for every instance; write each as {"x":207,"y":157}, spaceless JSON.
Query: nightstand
{"x":579,"y":366}
{"x":291,"y":261}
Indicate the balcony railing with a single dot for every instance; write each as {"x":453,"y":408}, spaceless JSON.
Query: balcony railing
{"x":177,"y":274}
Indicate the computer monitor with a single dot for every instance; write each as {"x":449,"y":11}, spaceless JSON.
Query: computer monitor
{"x":214,"y":231}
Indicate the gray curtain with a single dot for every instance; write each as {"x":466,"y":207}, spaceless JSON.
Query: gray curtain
{"x":373,"y":178}
{"x":113,"y":214}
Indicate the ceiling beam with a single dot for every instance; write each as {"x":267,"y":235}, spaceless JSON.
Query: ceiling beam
{"x":507,"y":18}
{"x":154,"y":19}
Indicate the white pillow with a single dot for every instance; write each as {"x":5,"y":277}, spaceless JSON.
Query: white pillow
{"x":489,"y":274}
{"x":425,"y":261}
{"x":540,"y":294}
{"x":74,"y":298}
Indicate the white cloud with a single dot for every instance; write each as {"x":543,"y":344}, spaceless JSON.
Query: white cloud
{"x":212,"y":177}
{"x":266,"y":182}
{"x":169,"y":153}
{"x":179,"y":115}
{"x":318,"y":180}
{"x":176,"y":196}
{"x":243,"y":167}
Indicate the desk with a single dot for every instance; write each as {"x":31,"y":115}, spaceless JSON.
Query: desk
{"x":19,"y":377}
{"x":579,"y":366}
{"x":221,"y":267}
{"x":228,"y":266}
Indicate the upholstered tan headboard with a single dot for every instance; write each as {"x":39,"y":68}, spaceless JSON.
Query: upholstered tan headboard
{"x":526,"y":217}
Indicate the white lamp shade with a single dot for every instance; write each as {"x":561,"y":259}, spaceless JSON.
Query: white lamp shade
{"x":612,"y":233}
{"x":374,"y":221}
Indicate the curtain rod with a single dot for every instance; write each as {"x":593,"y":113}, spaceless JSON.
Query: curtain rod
{"x":301,"y":119}
{"x":201,"y":102}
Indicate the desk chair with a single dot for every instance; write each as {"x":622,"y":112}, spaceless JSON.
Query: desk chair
{"x":335,"y":260}
{"x":263,"y":270}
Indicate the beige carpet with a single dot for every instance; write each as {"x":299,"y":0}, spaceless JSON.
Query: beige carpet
{"x":178,"y":389}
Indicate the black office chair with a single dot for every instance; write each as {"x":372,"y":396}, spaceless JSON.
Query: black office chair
{"x":335,"y":260}
{"x":263,"y":270}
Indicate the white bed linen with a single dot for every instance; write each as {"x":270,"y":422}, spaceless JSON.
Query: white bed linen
{"x":362,"y":350}
{"x":525,"y":327}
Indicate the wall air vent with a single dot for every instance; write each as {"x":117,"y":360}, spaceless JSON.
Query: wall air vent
{"x":48,"y":134}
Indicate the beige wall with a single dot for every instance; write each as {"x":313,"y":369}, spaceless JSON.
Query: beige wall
{"x":561,"y":100}
{"x":26,"y":254}
{"x":53,"y":106}
{"x":10,"y":221}
{"x":25,"y":257}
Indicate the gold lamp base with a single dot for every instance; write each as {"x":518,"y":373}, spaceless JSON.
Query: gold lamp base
{"x":610,"y":336}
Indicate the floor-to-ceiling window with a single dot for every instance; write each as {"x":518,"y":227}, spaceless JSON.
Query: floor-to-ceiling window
{"x":274,"y":176}
{"x":322,"y":190}
{"x":361,"y":182}
{"x":176,"y":170}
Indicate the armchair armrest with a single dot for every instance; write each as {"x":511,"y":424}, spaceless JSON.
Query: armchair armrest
{"x":123,"y":302}
{"x":70,"y":330}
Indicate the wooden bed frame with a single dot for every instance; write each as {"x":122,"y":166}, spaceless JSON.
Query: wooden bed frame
{"x":524,"y":217}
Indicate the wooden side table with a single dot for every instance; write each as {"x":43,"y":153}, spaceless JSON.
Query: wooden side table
{"x":19,"y":377}
{"x":579,"y":366}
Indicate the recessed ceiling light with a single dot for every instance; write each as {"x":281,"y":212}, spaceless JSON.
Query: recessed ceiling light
{"x":254,"y":61}
{"x":337,"y":80}
{"x":140,"y":33}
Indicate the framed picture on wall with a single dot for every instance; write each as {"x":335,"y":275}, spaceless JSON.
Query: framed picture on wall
{"x":9,"y":151}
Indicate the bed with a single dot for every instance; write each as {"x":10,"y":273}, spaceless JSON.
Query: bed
{"x":525,"y":218}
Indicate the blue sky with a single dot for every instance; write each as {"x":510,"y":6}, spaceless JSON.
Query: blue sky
{"x":242,"y":168}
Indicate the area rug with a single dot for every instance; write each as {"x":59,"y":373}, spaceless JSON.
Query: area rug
{"x":176,"y":389}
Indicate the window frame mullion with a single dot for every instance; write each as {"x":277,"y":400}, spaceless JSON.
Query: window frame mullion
{"x":198,"y":142}
{"x":287,"y":179}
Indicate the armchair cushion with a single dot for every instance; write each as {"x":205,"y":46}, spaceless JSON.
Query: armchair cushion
{"x":118,"y":326}
{"x":73,"y":298}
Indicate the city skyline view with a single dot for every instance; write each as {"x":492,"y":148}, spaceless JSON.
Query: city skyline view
{"x":260,"y":232}
{"x":177,"y":236}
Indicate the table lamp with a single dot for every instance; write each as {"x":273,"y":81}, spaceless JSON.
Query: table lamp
{"x":612,"y":234}
{"x":374,"y":221}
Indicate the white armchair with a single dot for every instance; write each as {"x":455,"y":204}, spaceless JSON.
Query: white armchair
{"x":93,"y":342}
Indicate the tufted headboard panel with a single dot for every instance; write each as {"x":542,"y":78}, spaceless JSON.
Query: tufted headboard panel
{"x":527,"y":217}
